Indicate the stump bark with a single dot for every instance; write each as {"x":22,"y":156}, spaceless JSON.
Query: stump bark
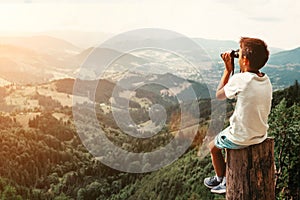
{"x":250,"y":172}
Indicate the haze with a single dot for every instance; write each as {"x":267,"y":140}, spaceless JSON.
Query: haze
{"x":274,"y":21}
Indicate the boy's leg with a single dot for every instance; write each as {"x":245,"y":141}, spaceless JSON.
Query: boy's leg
{"x":219,"y":167}
{"x":217,"y":159}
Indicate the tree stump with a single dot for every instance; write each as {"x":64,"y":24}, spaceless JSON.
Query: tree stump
{"x":250,"y":172}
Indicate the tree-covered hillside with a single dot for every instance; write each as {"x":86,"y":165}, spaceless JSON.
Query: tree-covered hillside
{"x":45,"y":159}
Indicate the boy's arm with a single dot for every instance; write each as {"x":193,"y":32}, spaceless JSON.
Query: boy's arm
{"x":220,"y":94}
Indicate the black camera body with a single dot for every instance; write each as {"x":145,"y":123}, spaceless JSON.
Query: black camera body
{"x":233,"y":54}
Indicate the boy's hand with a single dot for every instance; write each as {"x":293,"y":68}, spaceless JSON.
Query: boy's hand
{"x":227,"y":60}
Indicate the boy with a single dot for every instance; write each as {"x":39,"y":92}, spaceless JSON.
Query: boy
{"x":248,"y":123}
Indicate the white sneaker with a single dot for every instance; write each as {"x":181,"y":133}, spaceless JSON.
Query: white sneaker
{"x":221,"y":188}
{"x":211,"y":182}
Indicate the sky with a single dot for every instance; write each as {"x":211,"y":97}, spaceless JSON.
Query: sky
{"x":275,"y":21}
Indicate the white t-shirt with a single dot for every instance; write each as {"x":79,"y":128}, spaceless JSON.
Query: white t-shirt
{"x":249,"y":121}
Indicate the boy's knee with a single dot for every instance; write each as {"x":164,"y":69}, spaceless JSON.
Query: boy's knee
{"x":211,"y":145}
{"x":212,"y":148}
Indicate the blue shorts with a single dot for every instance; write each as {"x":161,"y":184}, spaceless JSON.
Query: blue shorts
{"x":222,"y":142}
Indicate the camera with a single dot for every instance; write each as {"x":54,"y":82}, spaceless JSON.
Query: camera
{"x":233,"y":53}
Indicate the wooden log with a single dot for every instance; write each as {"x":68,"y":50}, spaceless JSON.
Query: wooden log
{"x":250,"y":172}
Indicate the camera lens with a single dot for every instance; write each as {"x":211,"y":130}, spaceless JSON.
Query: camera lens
{"x":234,"y":53}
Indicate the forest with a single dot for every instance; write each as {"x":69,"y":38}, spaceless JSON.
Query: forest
{"x":47,"y":160}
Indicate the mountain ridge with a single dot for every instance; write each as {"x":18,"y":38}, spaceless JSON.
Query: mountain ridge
{"x":286,"y":57}
{"x":43,"y":43}
{"x":36,"y":62}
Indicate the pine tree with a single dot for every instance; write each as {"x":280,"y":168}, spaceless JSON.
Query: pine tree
{"x":284,"y":125}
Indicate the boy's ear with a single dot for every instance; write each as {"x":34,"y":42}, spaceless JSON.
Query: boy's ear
{"x":245,"y":61}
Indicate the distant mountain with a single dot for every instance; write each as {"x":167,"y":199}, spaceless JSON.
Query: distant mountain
{"x":83,"y":54}
{"x":145,"y":62}
{"x":104,"y":55}
{"x":36,"y":59}
{"x":274,"y":50}
{"x":82,"y":39}
{"x":25,"y":65}
{"x":286,"y":57}
{"x":45,"y":44}
{"x":283,"y":68}
{"x":40,"y":59}
{"x":85,"y":40}
{"x":93,"y":62}
{"x":22,"y":65}
{"x":29,"y":57}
